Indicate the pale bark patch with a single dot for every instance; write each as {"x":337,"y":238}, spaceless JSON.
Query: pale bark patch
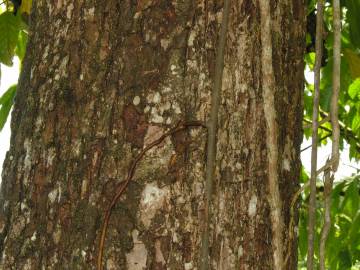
{"x":152,"y":199}
{"x":252,"y":206}
{"x":159,"y":257}
{"x":136,"y":259}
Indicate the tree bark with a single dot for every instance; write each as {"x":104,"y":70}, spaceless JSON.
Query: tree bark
{"x":103,"y":79}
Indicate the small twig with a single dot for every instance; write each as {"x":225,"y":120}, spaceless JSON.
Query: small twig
{"x":212,"y":134}
{"x":123,"y":185}
{"x":353,"y":167}
{"x":320,"y":140}
{"x":309,"y":125}
{"x":315,"y":126}
{"x":345,"y":131}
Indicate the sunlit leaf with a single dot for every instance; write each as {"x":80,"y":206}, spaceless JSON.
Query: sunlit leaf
{"x":354,"y":89}
{"x":10,"y":26}
{"x":355,"y":125}
{"x":6,"y":101}
{"x":25,"y":6}
{"x":21,"y":45}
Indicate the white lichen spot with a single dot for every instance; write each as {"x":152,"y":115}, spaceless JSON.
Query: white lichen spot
{"x":191,"y":38}
{"x":53,"y":195}
{"x":83,"y":253}
{"x":156,"y":98}
{"x":152,"y":199}
{"x":252,"y":206}
{"x":81,"y":77}
{"x":23,"y":206}
{"x":33,"y":237}
{"x":176,"y":108}
{"x":136,"y":100}
{"x":240,"y":251}
{"x":137,"y":15}
{"x":165,"y":43}
{"x":147,"y":109}
{"x":89,"y":14}
{"x":173,"y":69}
{"x":157,"y":119}
{"x":50,"y":156}
{"x":175,"y":238}
{"x":136,"y":259}
{"x":57,"y":77}
{"x":188,"y":266}
{"x":286,"y":164}
{"x":166,"y":90}
{"x":168,"y":121}
{"x":46,"y":52}
{"x":69,"y":10}
{"x":27,"y":159}
{"x":51,"y":106}
{"x":38,"y":123}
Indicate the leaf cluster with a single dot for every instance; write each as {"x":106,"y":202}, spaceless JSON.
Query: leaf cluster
{"x":13,"y":39}
{"x":349,"y":100}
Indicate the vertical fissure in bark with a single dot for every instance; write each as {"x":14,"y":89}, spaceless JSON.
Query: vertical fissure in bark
{"x":269,"y":89}
{"x":212,"y":134}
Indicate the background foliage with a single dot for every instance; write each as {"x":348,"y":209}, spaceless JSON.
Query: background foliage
{"x":343,"y":245}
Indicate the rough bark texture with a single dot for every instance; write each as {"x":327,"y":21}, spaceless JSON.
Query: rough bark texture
{"x":101,"y":79}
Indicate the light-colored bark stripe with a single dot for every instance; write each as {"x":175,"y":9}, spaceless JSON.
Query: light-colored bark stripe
{"x":268,"y":85}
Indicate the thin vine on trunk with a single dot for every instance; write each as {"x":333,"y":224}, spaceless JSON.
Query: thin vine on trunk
{"x":315,"y":126}
{"x":334,"y":162}
{"x":212,"y":133}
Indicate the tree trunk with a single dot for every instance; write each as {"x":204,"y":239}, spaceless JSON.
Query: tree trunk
{"x":103,"y":79}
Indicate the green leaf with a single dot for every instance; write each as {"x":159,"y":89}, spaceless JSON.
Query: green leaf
{"x":354,"y":89}
{"x":345,"y":259}
{"x":21,"y":45}
{"x":6,"y":101}
{"x":353,"y":60}
{"x":353,"y":18}
{"x":10,"y":26}
{"x":355,"y":125}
